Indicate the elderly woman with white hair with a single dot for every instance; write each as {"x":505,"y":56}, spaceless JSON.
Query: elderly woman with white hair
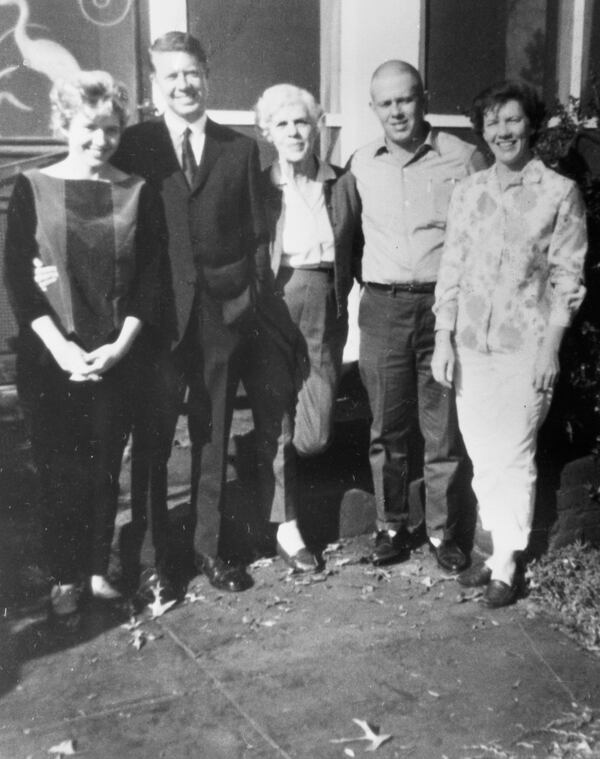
{"x":313,"y":215}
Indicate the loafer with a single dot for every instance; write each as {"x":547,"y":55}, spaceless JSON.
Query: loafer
{"x":499,"y":593}
{"x":476,"y":576}
{"x":390,"y":548}
{"x":449,"y":556}
{"x":302,"y":561}
{"x":229,"y":577}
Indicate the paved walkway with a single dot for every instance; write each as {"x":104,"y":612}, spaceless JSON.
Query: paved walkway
{"x":283,"y":669}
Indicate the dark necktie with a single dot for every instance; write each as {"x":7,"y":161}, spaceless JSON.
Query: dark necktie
{"x":188,"y":159}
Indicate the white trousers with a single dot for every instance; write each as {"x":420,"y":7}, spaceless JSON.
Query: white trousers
{"x":499,"y":414}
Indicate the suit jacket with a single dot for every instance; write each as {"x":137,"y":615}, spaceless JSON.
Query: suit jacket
{"x":217,"y":238}
{"x":343,"y":208}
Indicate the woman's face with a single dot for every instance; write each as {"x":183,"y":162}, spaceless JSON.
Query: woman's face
{"x":507,"y":131}
{"x":93,"y":136}
{"x":292,"y":132}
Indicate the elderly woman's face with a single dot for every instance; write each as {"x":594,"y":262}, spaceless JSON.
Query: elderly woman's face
{"x":93,"y":136}
{"x":507,"y":131}
{"x":292,"y":132}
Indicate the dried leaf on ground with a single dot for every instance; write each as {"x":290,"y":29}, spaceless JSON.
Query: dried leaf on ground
{"x":192,"y":597}
{"x":133,"y":624}
{"x":567,"y":580}
{"x":262,"y":563}
{"x":333,"y":547}
{"x":138,"y":639}
{"x":379,"y":573}
{"x":66,"y":748}
{"x":370,"y":733}
{"x":157,"y":607}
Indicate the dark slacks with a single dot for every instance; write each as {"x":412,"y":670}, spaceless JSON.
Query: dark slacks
{"x":210,"y":361}
{"x":396,"y":346}
{"x":79,"y":430}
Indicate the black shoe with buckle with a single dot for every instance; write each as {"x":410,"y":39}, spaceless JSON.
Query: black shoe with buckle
{"x":230,"y":577}
{"x":390,"y":547}
{"x":449,"y":556}
{"x":301,"y":561}
{"x":476,"y":576}
{"x":499,"y":593}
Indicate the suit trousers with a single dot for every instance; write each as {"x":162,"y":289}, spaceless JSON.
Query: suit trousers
{"x":500,"y":413}
{"x":396,"y":346}
{"x":209,"y":362}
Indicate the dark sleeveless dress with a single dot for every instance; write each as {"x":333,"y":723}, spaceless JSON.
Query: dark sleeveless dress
{"x":106,"y":240}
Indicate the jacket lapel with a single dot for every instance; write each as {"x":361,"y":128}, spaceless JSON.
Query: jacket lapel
{"x":171,"y":166}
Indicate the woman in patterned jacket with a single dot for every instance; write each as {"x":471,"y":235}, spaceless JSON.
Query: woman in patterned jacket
{"x":509,"y":283}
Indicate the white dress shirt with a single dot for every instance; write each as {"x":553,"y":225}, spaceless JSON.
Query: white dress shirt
{"x":177,"y":126}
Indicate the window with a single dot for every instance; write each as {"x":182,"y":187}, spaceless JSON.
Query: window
{"x":252,"y":44}
{"x":473,"y":43}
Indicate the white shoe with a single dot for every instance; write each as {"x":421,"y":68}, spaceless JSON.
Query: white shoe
{"x":64,"y":599}
{"x":101,"y":588}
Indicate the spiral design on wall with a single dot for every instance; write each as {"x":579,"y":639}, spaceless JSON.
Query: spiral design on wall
{"x":105,"y":12}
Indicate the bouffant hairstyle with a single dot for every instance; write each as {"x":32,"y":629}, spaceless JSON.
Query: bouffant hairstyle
{"x":279,"y":95}
{"x":95,"y":89}
{"x":498,"y":94}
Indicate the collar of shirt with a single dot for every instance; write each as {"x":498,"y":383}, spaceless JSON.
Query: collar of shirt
{"x":324,"y":173}
{"x":531,"y":173}
{"x":429,"y":143}
{"x":177,"y":126}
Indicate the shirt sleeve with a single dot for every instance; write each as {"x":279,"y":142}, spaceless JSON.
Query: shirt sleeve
{"x":451,"y":265}
{"x":566,"y":255}
{"x":27,"y":300}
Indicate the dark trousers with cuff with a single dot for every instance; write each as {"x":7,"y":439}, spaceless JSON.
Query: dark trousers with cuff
{"x":396,"y":346}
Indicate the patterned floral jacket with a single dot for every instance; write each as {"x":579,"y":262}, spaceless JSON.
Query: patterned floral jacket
{"x":513,"y":259}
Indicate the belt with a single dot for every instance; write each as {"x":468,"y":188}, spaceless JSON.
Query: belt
{"x":324,"y":269}
{"x":420,"y":288}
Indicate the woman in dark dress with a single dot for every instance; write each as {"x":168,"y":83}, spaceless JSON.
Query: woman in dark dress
{"x":97,"y":232}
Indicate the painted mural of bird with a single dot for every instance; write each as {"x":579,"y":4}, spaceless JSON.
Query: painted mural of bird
{"x":42,"y":55}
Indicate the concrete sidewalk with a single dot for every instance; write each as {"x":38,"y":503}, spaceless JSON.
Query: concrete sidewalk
{"x":283,"y":669}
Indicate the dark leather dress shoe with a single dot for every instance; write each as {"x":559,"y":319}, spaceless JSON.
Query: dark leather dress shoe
{"x":302,"y":561}
{"x":230,"y":577}
{"x":475,"y":576}
{"x":390,"y":548}
{"x":449,"y":556}
{"x":499,"y":594}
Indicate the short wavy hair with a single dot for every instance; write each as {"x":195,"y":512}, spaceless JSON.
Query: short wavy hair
{"x":95,"y":89}
{"x":179,"y":42}
{"x":500,"y":93}
{"x":279,"y":95}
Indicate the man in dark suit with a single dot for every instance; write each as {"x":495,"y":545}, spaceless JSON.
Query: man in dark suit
{"x":207,"y":175}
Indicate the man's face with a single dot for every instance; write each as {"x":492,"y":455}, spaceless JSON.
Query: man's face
{"x":399,"y":104}
{"x":182,"y":82}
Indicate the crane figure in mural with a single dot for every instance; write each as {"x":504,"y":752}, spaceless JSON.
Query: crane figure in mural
{"x":42,"y":55}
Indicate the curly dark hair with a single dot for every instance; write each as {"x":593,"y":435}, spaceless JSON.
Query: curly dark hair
{"x":500,"y":93}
